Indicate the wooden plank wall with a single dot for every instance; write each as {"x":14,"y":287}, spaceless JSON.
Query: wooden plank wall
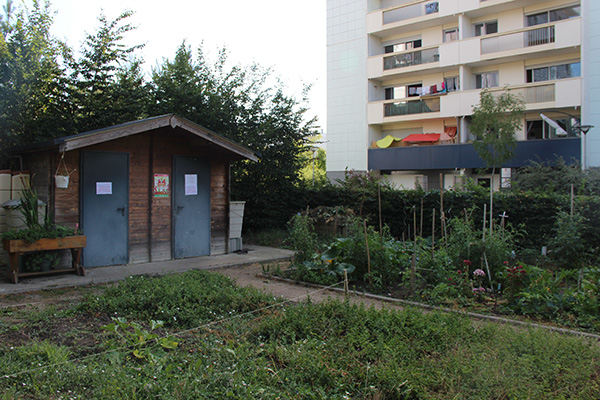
{"x":150,"y":218}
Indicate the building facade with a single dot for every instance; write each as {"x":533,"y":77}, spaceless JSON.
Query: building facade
{"x":404,"y":76}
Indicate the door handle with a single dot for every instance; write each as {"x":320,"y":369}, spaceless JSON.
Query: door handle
{"x":179,"y":208}
{"x":122,"y":209}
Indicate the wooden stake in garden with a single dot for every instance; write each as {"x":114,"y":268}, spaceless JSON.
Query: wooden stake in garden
{"x":572,"y":199}
{"x":368,"y":255}
{"x":415,"y":222}
{"x":414,"y":256}
{"x":421,"y":230}
{"x":442,"y":215}
{"x":345,"y":283}
{"x":379,"y":198}
{"x":433,"y":234}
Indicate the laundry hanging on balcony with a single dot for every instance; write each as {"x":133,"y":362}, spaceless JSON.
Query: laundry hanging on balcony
{"x":439,"y":88}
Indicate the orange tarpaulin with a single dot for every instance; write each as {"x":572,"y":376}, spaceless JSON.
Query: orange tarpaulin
{"x":422,"y":137}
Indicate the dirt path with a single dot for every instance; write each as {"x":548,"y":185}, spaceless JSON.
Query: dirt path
{"x":249,"y":275}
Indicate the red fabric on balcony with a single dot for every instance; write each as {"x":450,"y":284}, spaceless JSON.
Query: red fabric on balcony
{"x":422,"y":137}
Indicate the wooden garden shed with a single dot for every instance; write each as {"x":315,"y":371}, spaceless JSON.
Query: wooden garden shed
{"x":143,"y":191}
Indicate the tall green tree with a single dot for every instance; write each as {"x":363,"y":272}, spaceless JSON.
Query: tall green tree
{"x":35,"y":103}
{"x":494,"y":123}
{"x":108,"y":80}
{"x":245,"y":105}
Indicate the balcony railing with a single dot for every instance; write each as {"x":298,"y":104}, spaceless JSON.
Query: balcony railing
{"x":410,"y":107}
{"x":534,"y":94}
{"x":518,"y":40}
{"x":411,"y":58}
{"x":439,"y":157}
{"x":412,"y":11}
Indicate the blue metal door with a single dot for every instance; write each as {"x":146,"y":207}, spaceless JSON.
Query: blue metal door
{"x":104,"y":204}
{"x":191,"y":207}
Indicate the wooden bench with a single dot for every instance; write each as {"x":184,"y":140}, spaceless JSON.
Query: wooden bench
{"x":16,"y":248}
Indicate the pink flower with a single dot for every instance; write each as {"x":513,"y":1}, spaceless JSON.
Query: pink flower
{"x":478,"y":272}
{"x":467,"y":262}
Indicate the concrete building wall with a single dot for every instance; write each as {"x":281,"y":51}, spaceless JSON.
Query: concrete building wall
{"x":347,"y":131}
{"x":591,"y":77}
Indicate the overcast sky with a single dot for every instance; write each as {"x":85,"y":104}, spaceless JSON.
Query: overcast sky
{"x":287,"y":36}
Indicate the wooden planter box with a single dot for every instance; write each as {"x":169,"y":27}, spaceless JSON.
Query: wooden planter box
{"x":16,"y":248}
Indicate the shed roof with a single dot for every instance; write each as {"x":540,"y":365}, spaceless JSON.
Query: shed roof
{"x":97,"y":136}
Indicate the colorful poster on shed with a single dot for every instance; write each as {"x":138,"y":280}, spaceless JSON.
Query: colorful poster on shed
{"x":161,"y":185}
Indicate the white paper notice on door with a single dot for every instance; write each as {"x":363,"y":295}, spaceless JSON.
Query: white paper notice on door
{"x":191,"y":184}
{"x":103,"y":187}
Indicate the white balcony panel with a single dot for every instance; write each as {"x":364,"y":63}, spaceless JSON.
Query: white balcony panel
{"x":375,"y":113}
{"x":449,"y":54}
{"x":374,"y":22}
{"x":470,"y":50}
{"x":568,"y":33}
{"x":568,"y":92}
{"x":458,"y":103}
{"x":374,"y":67}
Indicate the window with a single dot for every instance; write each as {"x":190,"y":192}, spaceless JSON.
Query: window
{"x":486,"y":28}
{"x":541,"y":130}
{"x":486,"y":80}
{"x":553,"y":15}
{"x":553,"y":72}
{"x":400,"y":92}
{"x":451,"y":84}
{"x":450,"y":35}
{"x":432,"y":7}
{"x":402,"y":46}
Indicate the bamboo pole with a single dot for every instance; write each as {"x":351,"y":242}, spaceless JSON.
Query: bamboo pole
{"x":368,"y":254}
{"x":433,"y":234}
{"x":379,"y":199}
{"x":421,"y":227}
{"x":346,"y":283}
{"x":414,"y":256}
{"x":572,"y":199}
{"x":413,"y":271}
{"x":483,"y":237}
{"x":415,"y":222}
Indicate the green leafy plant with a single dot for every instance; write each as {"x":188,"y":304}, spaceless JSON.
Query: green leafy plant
{"x":143,"y":341}
{"x":303,"y":238}
{"x":36,"y":230}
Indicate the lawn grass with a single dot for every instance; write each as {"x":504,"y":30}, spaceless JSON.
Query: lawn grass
{"x":331,"y":350}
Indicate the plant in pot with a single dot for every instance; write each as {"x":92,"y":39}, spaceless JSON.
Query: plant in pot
{"x":41,"y":261}
{"x":36,"y":230}
{"x":39,"y":236}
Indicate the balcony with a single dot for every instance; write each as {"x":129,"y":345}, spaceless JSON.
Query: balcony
{"x":560,"y":35}
{"x":403,"y":62}
{"x":532,"y":93}
{"x":402,"y":13}
{"x":518,"y":40}
{"x":410,"y":107}
{"x":537,"y":96}
{"x":439,"y":157}
{"x":408,"y":59}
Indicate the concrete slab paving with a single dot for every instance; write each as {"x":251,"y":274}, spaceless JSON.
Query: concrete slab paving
{"x":99,"y":275}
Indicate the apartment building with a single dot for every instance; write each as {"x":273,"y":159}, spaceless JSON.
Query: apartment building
{"x":403,"y":77}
